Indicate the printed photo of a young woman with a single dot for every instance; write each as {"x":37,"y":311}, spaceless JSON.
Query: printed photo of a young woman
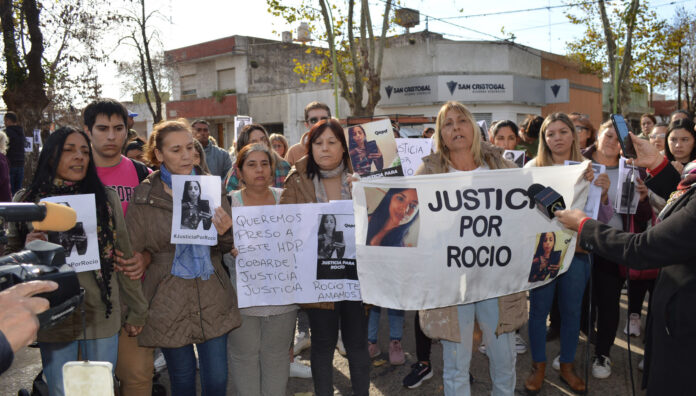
{"x":392,"y":217}
{"x":548,"y":256}
{"x":194,"y":210}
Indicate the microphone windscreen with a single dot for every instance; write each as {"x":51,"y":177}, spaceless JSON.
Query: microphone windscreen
{"x":533,"y":190}
{"x":58,"y":218}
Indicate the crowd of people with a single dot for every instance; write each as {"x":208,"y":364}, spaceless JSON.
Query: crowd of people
{"x":150,"y":295}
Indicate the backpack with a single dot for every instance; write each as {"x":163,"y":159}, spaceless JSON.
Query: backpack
{"x":141,"y":169}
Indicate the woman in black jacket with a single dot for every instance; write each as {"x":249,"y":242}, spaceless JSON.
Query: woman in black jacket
{"x":670,"y":346}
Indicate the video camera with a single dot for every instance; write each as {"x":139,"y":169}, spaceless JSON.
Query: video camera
{"x":43,"y":260}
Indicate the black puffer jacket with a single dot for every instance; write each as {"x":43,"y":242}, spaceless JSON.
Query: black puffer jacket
{"x":15,"y":150}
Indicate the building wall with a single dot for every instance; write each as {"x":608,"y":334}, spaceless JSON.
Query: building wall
{"x":585,"y":89}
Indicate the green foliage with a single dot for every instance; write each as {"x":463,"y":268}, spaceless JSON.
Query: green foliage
{"x":220,"y":95}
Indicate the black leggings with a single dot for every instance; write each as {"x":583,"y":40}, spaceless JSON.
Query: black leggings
{"x":423,"y":343}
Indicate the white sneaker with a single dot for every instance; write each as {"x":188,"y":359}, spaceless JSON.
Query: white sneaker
{"x":556,"y":363}
{"x":520,"y":345}
{"x":601,"y":367}
{"x":302,"y":342}
{"x":299,"y":370}
{"x":633,"y":325}
{"x":339,"y":345}
{"x":640,"y":365}
{"x":160,"y":362}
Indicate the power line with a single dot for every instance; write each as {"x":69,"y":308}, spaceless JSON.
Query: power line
{"x":524,"y":10}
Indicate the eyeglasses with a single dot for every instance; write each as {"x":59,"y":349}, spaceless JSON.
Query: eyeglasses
{"x":580,"y":127}
{"x":656,"y":136}
{"x":314,"y":120}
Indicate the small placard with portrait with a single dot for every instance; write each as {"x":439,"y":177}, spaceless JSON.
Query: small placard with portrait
{"x":195,"y":199}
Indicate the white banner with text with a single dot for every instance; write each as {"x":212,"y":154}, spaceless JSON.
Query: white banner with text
{"x":302,"y":253}
{"x":439,"y":240}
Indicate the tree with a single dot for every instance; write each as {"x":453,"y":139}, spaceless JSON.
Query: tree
{"x":132,"y":78}
{"x":24,"y":77}
{"x":607,"y":45}
{"x":358,"y":60}
{"x":684,"y":70}
{"x":141,"y":39}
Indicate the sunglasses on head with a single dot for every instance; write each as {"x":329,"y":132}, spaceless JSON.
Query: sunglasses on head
{"x":314,"y":120}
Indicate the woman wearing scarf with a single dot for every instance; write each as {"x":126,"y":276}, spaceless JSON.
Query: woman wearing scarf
{"x":322,"y":176}
{"x":670,"y":347}
{"x":66,"y":167}
{"x":191,"y":298}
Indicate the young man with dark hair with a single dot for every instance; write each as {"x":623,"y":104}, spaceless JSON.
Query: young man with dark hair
{"x":105,"y":123}
{"x":15,"y":150}
{"x":313,"y":113}
{"x":218,"y":159}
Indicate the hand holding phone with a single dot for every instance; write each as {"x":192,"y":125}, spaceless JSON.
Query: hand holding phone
{"x":624,"y":139}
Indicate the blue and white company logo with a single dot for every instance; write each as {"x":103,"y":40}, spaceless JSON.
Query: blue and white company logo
{"x":388,"y":88}
{"x":451,"y":85}
{"x":555,"y":88}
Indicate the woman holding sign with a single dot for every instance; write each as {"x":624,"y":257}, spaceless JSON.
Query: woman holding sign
{"x":557,"y":144}
{"x":66,"y":167}
{"x":259,"y":347}
{"x":321,"y":176}
{"x":191,"y":298}
{"x":460,"y":149}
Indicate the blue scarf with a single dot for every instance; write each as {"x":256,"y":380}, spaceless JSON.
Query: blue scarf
{"x":190,"y":261}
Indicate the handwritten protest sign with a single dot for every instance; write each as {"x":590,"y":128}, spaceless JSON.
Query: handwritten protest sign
{"x":411,"y":152}
{"x":80,"y":242}
{"x":300,"y":253}
{"x":460,"y":237}
{"x":372,"y":149}
{"x":194,"y":201}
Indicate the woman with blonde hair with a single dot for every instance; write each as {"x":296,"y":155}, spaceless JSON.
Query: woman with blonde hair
{"x":460,"y":149}
{"x":279,"y":144}
{"x":558,"y":142}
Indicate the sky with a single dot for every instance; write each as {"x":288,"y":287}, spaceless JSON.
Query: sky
{"x":185,"y":22}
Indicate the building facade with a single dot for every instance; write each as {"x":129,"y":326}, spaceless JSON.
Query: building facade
{"x":241,"y":75}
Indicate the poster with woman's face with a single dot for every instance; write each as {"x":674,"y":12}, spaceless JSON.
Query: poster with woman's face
{"x":551,"y":248}
{"x":392,"y":218}
{"x":336,"y":247}
{"x":372,"y":149}
{"x":516,"y":156}
{"x":194,"y":201}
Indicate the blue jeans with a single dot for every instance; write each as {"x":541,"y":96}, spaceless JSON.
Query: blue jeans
{"x":181,"y":365}
{"x":55,"y":354}
{"x":500,"y":350}
{"x":396,"y":324}
{"x":16,"y":177}
{"x":571,"y":287}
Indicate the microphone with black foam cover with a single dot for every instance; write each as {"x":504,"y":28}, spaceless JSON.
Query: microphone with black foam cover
{"x":547,"y":199}
{"x":46,"y":216}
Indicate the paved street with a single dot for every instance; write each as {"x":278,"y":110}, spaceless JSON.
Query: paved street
{"x":386,"y":379}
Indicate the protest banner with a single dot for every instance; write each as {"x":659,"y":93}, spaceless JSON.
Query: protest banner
{"x":372,"y":149}
{"x":460,"y":237}
{"x":194,"y":200}
{"x":28,"y":144}
{"x":302,"y":253}
{"x":80,"y":242}
{"x":411,"y":153}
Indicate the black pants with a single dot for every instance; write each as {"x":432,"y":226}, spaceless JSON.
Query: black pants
{"x":423,"y":343}
{"x":636,"y":293}
{"x":606,"y":291}
{"x":324,"y":325}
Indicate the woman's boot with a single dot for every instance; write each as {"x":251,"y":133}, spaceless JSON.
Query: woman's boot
{"x":568,"y":376}
{"x":536,"y":378}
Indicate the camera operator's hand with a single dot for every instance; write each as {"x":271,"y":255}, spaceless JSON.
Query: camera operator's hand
{"x":18,"y":310}
{"x":34,"y":235}
{"x":132,"y":330}
{"x":134,"y":267}
{"x":648,"y":156}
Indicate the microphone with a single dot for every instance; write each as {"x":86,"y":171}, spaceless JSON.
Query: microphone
{"x":546,"y":198}
{"x":46,"y":216}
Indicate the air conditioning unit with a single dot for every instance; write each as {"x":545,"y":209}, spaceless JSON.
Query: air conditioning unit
{"x":303,"y":34}
{"x":286,"y":37}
